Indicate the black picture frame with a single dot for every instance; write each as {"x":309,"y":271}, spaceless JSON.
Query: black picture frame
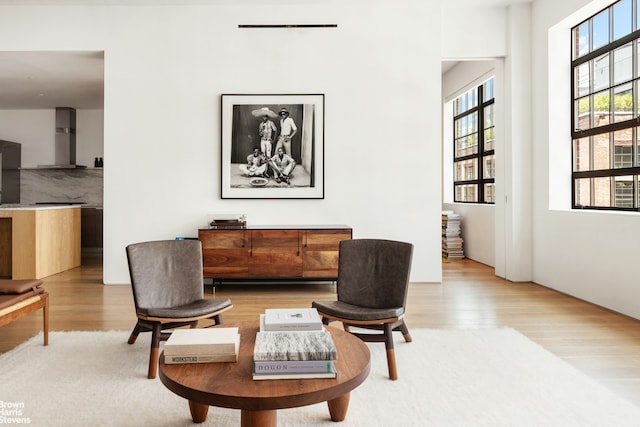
{"x":242,"y":115}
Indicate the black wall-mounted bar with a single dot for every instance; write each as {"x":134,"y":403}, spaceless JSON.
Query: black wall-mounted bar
{"x":288,"y":26}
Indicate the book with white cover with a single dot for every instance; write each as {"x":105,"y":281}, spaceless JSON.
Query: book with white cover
{"x":202,"y":342}
{"x":200,"y":358}
{"x":292,"y":319}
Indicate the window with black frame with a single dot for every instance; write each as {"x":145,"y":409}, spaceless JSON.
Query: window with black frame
{"x":606,"y":101}
{"x":473,"y":145}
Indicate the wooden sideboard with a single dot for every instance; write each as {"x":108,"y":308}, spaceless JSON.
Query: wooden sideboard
{"x":277,"y":252}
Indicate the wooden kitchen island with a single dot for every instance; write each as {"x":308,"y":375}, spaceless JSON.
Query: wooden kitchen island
{"x":38,"y":241}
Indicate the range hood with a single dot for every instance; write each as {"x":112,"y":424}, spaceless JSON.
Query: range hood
{"x":65,"y":140}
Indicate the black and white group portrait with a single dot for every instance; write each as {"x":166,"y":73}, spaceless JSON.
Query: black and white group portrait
{"x":272,"y":146}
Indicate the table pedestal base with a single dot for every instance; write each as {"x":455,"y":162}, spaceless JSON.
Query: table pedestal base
{"x":337,"y":410}
{"x":258,"y":418}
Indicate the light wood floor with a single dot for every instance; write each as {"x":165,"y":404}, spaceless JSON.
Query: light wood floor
{"x":602,"y":344}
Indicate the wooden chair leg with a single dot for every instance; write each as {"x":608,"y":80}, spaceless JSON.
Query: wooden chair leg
{"x":405,"y":331}
{"x":391,"y":353}
{"x":45,"y":319}
{"x":217,"y":319}
{"x":155,"y":349}
{"x":391,"y":364}
{"x":135,"y":332}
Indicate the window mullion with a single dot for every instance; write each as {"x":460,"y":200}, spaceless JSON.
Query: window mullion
{"x":480,"y":127}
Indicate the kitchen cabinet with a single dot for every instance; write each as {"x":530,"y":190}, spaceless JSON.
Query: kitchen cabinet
{"x":265,"y":253}
{"x":10,"y":162}
{"x":91,"y":230}
{"x":36,"y":242}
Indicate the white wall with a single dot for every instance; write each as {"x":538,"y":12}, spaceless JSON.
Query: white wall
{"x":89,"y":136}
{"x":473,"y":29}
{"x":166,"y":67}
{"x":591,"y":255}
{"x":514,"y":260}
{"x":35,"y":130}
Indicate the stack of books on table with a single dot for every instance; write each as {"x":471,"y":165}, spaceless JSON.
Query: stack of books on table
{"x":293,"y":344}
{"x":290,"y":319}
{"x":205,"y":345}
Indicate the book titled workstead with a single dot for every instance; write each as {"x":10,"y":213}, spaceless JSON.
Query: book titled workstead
{"x":292,"y":319}
{"x":293,"y":345}
{"x":195,"y":358}
{"x":204,"y":345}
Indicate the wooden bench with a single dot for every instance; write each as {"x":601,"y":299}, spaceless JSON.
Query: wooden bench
{"x":20,"y":297}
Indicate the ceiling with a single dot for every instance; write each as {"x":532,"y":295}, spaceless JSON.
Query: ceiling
{"x":43,"y":80}
{"x":447,"y":65}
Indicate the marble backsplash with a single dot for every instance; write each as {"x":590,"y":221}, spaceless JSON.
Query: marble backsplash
{"x":61,"y":185}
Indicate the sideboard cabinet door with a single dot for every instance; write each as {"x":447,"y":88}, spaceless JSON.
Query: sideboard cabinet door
{"x":225,"y":253}
{"x":275,"y":253}
{"x":320,"y":252}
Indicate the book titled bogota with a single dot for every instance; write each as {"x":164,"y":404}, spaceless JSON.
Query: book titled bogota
{"x":292,"y":319}
{"x":204,"y":345}
{"x":294,"y":375}
{"x":293,"y":366}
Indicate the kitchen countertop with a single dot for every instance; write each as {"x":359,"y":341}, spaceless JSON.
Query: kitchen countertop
{"x":18,"y":206}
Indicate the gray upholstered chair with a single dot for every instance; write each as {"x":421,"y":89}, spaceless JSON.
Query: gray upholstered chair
{"x":168,"y":290}
{"x":373,"y":279}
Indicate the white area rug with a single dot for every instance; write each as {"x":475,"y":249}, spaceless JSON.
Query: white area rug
{"x":494,"y":377}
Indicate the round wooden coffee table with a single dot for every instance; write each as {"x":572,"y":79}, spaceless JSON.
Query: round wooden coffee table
{"x":230,"y":385}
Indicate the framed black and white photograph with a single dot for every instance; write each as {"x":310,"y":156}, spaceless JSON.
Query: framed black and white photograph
{"x":272,"y":146}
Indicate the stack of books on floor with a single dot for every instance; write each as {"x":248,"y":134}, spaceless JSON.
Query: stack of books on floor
{"x":451,"y":240}
{"x":293,"y":344}
{"x":205,"y":345}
